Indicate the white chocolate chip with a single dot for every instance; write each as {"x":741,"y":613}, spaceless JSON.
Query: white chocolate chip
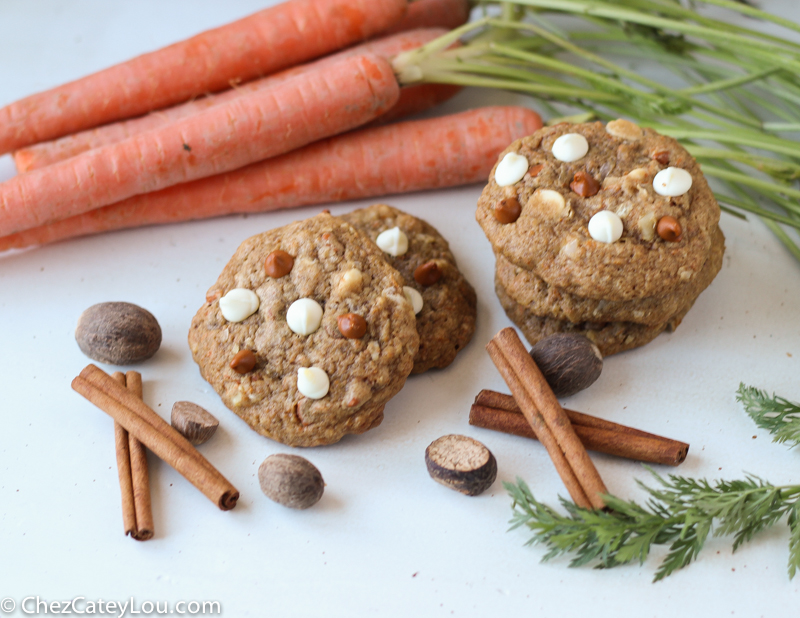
{"x":624,"y":129}
{"x":550,"y":203}
{"x":605,"y":226}
{"x":413,"y":297}
{"x":511,"y":169}
{"x":393,"y":241}
{"x":570,"y":147}
{"x":304,"y":316}
{"x":238,"y":304}
{"x":312,"y":382}
{"x":672,"y":182}
{"x":351,"y":281}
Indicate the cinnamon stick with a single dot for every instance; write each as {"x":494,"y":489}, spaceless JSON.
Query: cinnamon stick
{"x":499,"y":412}
{"x":122,"y":446}
{"x":149,"y":428}
{"x":547,"y":419}
{"x":139,"y":472}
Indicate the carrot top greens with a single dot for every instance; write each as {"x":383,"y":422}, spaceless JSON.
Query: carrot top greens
{"x":730,"y":94}
{"x":680,"y":512}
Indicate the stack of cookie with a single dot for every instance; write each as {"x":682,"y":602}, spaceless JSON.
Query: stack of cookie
{"x":609,"y":231}
{"x":311,"y":328}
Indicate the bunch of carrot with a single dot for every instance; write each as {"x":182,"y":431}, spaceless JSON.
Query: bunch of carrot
{"x":164,"y":137}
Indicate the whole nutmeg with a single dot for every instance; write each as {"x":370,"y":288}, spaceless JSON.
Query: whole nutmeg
{"x":118,"y":333}
{"x":290,"y":480}
{"x":568,"y":361}
{"x":194,"y":423}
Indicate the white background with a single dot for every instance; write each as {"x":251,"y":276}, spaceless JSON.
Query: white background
{"x":385,"y":539}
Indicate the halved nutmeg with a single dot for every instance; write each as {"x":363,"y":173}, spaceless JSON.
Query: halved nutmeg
{"x":669,"y":229}
{"x":507,"y":210}
{"x":461,"y":463}
{"x":352,"y":325}
{"x":584,"y":184}
{"x":427,"y":273}
{"x":243,"y":362}
{"x":278,"y":263}
{"x":196,"y":424}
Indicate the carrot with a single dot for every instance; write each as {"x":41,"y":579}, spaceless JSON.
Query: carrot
{"x":257,"y":126}
{"x":272,"y":39}
{"x":412,"y":100}
{"x":427,"y":13}
{"x":418,"y":98}
{"x":408,"y":156}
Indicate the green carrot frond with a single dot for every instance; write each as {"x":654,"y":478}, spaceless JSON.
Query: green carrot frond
{"x":681,"y":513}
{"x":777,"y":415}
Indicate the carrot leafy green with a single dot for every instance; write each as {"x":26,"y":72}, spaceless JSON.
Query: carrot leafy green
{"x":680,"y":512}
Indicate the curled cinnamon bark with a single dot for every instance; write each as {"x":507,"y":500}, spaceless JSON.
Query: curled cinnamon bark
{"x":500,"y":412}
{"x":134,"y":481}
{"x":547,"y":419}
{"x":139,"y":472}
{"x":122,"y":446}
{"x":149,"y":428}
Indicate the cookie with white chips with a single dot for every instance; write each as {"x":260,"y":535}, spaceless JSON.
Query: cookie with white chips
{"x":445,"y":302}
{"x":307,"y":333}
{"x":611,"y":212}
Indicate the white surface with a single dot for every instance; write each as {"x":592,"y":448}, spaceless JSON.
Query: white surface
{"x":385,"y":539}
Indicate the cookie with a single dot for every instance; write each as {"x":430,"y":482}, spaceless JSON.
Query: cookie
{"x":545,"y":300}
{"x":610,"y":337}
{"x":446,"y":320}
{"x":540,"y":218}
{"x":306,"y":373}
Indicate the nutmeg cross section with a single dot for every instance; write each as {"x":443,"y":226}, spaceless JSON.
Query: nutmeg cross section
{"x":547,"y":419}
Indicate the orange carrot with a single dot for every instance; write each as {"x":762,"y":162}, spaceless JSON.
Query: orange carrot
{"x":415,"y":99}
{"x":278,"y":37}
{"x":250,"y":128}
{"x":426,"y":13}
{"x":412,"y":100}
{"x":408,"y":156}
